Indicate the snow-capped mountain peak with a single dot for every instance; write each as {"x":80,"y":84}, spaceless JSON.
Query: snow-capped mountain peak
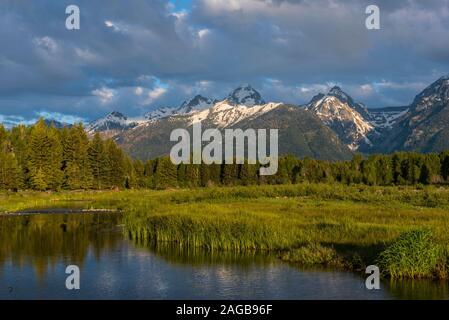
{"x":437,"y":92}
{"x":340,"y":94}
{"x":159,"y":113}
{"x":245,"y":95}
{"x":197,"y":103}
{"x":223,"y":114}
{"x":429,"y":102}
{"x":114,"y":121}
{"x":337,"y":110}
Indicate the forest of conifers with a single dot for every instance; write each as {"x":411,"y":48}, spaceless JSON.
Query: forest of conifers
{"x":42,"y":157}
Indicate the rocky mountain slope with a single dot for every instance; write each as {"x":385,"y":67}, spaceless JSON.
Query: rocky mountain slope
{"x":350,"y":120}
{"x":197,"y":103}
{"x":385,"y":118}
{"x":111,"y":125}
{"x":421,"y":126}
{"x":425,"y":125}
{"x":301,"y":132}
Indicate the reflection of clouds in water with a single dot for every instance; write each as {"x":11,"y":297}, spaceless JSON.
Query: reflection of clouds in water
{"x":149,"y":276}
{"x":137,"y":273}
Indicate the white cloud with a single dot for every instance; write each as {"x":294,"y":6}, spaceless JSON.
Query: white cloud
{"x":104,"y":94}
{"x":366,"y":89}
{"x":203,"y":32}
{"x":46,"y":43}
{"x":86,"y":55}
{"x":155,"y":94}
{"x":384,"y":84}
{"x":138,"y":91}
{"x":64,"y":118}
{"x":116,"y":27}
{"x":180,"y":15}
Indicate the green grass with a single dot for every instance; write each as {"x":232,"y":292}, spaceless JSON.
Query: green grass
{"x":313,"y":254}
{"x":415,"y":254}
{"x":332,"y":225}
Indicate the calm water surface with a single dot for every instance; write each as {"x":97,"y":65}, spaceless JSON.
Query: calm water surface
{"x":35,"y":250}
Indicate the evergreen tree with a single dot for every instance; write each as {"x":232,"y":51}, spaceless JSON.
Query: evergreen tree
{"x":116,"y":166}
{"x":76,"y":160}
{"x":98,"y":162}
{"x":425,"y":174}
{"x":165,"y":174}
{"x":19,"y":137}
{"x":181,"y":175}
{"x":248,"y":173}
{"x":229,"y":174}
{"x":10,"y":174}
{"x":444,"y":160}
{"x":44,"y":157}
{"x":139,"y":171}
{"x":193,"y":175}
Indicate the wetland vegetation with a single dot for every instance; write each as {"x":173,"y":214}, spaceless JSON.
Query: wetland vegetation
{"x":403,"y":229}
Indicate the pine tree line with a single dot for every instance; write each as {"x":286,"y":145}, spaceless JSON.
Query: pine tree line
{"x":41,"y":157}
{"x":401,"y":168}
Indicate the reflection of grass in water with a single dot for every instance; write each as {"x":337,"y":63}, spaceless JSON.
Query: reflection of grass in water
{"x":198,"y":256}
{"x":418,"y":289}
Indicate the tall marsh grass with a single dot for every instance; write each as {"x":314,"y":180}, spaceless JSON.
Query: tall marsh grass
{"x":308,"y":223}
{"x":415,"y":254}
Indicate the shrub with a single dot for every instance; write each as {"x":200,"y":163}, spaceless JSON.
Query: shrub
{"x":414,"y":255}
{"x":312,"y":254}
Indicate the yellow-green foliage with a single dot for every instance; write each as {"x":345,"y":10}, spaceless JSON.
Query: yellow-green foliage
{"x":415,"y":254}
{"x":313,"y":254}
{"x":355,"y":222}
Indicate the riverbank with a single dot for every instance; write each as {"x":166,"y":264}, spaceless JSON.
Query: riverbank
{"x":338,"y":226}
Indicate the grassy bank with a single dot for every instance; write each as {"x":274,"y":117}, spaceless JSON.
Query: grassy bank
{"x":333,"y":225}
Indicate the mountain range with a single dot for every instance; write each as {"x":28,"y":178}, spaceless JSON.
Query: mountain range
{"x":331,"y":126}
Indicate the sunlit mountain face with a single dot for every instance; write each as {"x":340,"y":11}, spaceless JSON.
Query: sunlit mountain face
{"x":358,"y":128}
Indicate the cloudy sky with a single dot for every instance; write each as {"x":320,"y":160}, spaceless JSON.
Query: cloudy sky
{"x":137,"y":55}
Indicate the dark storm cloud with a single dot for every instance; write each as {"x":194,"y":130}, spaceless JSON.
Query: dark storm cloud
{"x":135,"y":55}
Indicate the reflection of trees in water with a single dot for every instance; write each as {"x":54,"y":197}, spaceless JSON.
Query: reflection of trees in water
{"x":44,"y":240}
{"x":419,"y":289}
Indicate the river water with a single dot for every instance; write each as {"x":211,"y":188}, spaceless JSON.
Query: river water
{"x":36,"y":249}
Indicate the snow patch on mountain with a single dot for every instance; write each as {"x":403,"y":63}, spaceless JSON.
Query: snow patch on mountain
{"x":386,"y":118}
{"x":223,"y":114}
{"x":198,"y":103}
{"x":114,"y":121}
{"x":245,"y":95}
{"x":435,"y":94}
{"x":160,"y":113}
{"x":337,"y":110}
{"x":242,"y":103}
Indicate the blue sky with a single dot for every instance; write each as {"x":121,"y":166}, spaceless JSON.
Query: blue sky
{"x":137,"y":55}
{"x":180,"y":5}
